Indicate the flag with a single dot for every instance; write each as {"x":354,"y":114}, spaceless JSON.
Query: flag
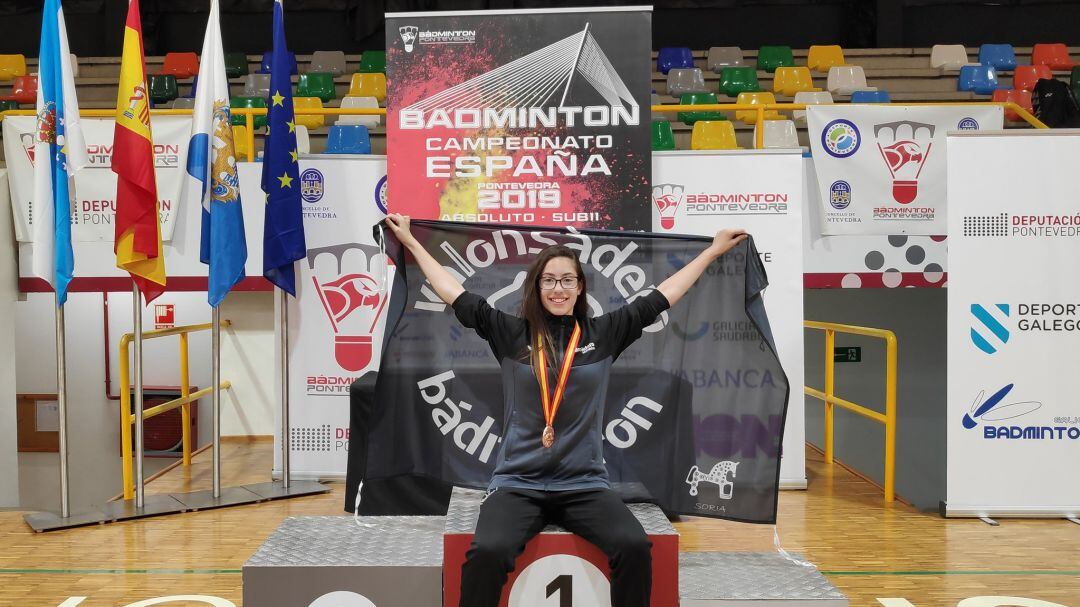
{"x":138,"y":232}
{"x":283,"y":232}
{"x":211,"y":181}
{"x":59,"y":151}
{"x":694,"y":411}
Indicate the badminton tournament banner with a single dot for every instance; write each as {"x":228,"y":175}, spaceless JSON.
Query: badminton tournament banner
{"x":524,"y":117}
{"x":94,"y":210}
{"x":1014,"y":325}
{"x":881,"y":169}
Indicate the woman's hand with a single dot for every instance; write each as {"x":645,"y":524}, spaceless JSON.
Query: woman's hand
{"x":399,"y":225}
{"x":725,"y":240}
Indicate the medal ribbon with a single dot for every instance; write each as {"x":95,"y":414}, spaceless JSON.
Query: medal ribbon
{"x":551,"y":404}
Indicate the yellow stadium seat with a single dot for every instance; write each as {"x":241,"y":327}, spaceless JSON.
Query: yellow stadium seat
{"x":240,"y":142}
{"x":713,"y":135}
{"x":750,"y":116}
{"x":311,"y":121}
{"x":12,"y":66}
{"x":791,"y":80}
{"x":821,"y":58}
{"x":368,"y":85}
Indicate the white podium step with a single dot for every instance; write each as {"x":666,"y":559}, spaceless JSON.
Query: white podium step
{"x":752,"y":579}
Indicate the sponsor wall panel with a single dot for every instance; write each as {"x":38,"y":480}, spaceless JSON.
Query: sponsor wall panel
{"x":1013,"y":417}
{"x":701,"y":193}
{"x":95,"y":186}
{"x":881,"y":169}
{"x":523,"y":117}
{"x":337,"y":316}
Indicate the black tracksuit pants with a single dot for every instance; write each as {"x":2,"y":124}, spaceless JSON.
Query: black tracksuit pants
{"x":509,"y":518}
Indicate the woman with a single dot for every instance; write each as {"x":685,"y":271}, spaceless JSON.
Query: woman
{"x":556,"y":363}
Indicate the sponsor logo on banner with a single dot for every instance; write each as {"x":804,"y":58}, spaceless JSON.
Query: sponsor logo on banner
{"x":988,"y":330}
{"x":996,"y":409}
{"x":1025,"y":226}
{"x":380,"y":194}
{"x":413,"y":35}
{"x":718,"y":475}
{"x":734,"y":379}
{"x":667,"y":198}
{"x":311,"y":185}
{"x":408,"y":36}
{"x":986,"y":225}
{"x":841,"y":138}
{"x":968,"y":124}
{"x":310,"y":438}
{"x":840,"y":195}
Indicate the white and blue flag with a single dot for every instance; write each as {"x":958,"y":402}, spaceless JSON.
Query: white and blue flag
{"x":59,"y":151}
{"x":211,"y":165}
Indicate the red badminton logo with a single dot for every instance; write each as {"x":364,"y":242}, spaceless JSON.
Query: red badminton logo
{"x":353,"y":298}
{"x":904,"y":146}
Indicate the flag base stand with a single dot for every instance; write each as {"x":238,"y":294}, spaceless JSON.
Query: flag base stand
{"x":175,"y":503}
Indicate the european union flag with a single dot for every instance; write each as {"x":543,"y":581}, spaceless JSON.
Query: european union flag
{"x":283,"y":232}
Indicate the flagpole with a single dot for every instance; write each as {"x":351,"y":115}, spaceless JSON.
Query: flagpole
{"x":283,"y":326}
{"x":136,"y":318}
{"x":61,"y":405}
{"x":215,"y":346}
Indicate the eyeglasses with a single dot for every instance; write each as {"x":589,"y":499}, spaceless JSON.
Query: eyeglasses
{"x":567,"y":282}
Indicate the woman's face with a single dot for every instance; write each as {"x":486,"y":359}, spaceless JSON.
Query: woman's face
{"x":559,"y":300}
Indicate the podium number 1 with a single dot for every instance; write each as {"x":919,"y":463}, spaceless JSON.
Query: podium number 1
{"x":564,"y":585}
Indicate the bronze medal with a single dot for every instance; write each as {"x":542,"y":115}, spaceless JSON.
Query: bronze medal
{"x":551,"y":404}
{"x":548,"y":438}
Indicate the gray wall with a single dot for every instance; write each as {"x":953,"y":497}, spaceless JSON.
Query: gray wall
{"x":917,"y":316}
{"x":9,"y":457}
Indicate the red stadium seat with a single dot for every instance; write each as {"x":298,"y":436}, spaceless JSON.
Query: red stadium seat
{"x":1027,"y":76}
{"x":23,"y":90}
{"x":1021,"y":98}
{"x":181,"y":65}
{"x":1055,"y":56}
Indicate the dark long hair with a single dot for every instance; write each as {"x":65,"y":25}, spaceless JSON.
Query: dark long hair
{"x":532,"y":308}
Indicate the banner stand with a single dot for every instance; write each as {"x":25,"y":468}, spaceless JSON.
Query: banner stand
{"x":215,"y":356}
{"x":61,"y":405}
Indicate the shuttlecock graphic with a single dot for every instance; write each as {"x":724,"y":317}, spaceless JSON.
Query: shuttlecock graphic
{"x":667,"y":198}
{"x":904,"y":147}
{"x":408,"y":36}
{"x":354,"y":298}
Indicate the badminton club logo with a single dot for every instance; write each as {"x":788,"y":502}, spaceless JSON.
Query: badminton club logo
{"x":667,"y":197}
{"x":349,"y":281}
{"x":993,"y":410}
{"x":408,"y":36}
{"x":904,"y":146}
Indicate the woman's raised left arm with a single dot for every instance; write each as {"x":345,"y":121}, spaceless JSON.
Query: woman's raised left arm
{"x":680,"y":282}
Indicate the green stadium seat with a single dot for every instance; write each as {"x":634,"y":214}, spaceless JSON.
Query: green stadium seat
{"x":236,"y":65}
{"x":771,"y":57}
{"x":163,"y":88}
{"x":8,"y":104}
{"x":663,"y":138}
{"x":247,"y":102}
{"x":317,"y":84}
{"x":372,"y":62}
{"x":698,"y":99}
{"x":735,"y":80}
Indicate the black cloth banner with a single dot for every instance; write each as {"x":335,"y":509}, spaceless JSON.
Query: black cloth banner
{"x":693,"y":441}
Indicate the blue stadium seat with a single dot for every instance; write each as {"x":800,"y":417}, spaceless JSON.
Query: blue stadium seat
{"x":674,"y":57}
{"x":348,"y":139}
{"x":978,"y":79}
{"x":265,"y":67}
{"x":1001,"y":56}
{"x":878,"y":96}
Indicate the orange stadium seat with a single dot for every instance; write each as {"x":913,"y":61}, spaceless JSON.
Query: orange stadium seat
{"x":23,"y":90}
{"x":1027,"y":76}
{"x":790,"y":80}
{"x":12,"y":66}
{"x":181,"y":65}
{"x":821,"y":58}
{"x":1020,"y":98}
{"x":713,"y":135}
{"x":1055,"y":56}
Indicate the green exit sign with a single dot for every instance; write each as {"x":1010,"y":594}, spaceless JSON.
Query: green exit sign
{"x":847,"y":354}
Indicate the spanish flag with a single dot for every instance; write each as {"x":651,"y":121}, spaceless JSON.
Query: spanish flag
{"x":138,"y":233}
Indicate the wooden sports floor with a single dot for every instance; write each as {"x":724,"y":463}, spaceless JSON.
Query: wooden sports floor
{"x":867,"y":550}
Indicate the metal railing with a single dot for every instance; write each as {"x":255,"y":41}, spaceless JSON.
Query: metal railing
{"x":888,"y":419}
{"x":128,"y":417}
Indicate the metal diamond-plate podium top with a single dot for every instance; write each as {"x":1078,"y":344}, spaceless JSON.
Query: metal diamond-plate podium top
{"x":751,"y":576}
{"x":337,"y":541}
{"x":465,"y":509}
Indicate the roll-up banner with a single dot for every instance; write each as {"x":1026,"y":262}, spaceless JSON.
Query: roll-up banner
{"x":532,"y":117}
{"x":94,"y":209}
{"x":1014,"y":325}
{"x":761,"y":191}
{"x":881,"y":168}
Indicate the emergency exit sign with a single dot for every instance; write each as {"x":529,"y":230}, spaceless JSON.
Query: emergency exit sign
{"x":847,"y":354}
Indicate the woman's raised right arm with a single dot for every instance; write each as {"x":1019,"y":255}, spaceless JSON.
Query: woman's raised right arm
{"x":446,"y":286}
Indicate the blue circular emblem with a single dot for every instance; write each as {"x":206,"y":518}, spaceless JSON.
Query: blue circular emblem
{"x":311,"y":185}
{"x":968,"y":124}
{"x":380,"y":194}
{"x":840,"y":138}
{"x":840,"y":194}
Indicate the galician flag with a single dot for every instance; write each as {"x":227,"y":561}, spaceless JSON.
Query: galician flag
{"x":138,"y":232}
{"x":59,"y":151}
{"x":211,"y":181}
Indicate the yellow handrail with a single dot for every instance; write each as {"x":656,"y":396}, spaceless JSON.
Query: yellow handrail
{"x":127,"y":417}
{"x":830,"y":399}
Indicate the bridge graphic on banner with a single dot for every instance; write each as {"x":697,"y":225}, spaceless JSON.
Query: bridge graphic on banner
{"x":538,"y":78}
